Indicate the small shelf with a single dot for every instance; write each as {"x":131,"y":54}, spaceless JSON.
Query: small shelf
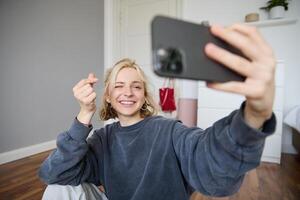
{"x":272,"y":22}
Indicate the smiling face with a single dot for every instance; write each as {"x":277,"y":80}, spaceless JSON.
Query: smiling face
{"x":127,"y":96}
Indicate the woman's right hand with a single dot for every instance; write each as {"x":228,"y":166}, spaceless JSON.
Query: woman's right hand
{"x":86,"y":96}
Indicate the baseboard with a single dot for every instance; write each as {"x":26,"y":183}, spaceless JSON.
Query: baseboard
{"x":26,"y":151}
{"x":270,"y":159}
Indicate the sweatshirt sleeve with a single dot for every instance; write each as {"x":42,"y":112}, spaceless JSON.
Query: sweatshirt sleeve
{"x":74,"y":161}
{"x":214,"y":161}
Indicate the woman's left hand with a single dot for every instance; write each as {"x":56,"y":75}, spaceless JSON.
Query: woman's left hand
{"x":258,"y":68}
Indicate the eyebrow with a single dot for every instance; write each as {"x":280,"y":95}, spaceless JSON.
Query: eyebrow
{"x":120,"y":82}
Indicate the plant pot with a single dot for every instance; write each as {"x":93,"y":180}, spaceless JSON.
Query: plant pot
{"x":252,"y":17}
{"x":277,"y":12}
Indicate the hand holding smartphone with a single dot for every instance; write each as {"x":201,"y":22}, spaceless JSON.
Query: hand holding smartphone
{"x":178,"y":51}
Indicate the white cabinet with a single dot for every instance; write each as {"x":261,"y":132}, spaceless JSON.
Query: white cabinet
{"x":213,"y":105}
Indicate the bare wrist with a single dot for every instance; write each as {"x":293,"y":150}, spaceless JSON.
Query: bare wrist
{"x":255,"y":120}
{"x":85,"y":117}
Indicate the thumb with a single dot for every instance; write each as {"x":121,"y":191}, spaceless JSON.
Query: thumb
{"x":92,"y":78}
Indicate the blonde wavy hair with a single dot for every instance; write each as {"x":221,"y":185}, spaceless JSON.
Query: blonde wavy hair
{"x":107,"y":112}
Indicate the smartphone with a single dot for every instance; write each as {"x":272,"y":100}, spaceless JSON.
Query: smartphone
{"x":178,"y":51}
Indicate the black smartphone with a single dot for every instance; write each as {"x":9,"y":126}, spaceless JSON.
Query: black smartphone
{"x":178,"y":51}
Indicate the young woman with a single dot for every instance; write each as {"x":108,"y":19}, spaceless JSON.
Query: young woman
{"x":143,"y":156}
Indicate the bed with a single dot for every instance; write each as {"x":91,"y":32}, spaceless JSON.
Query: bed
{"x":292,"y":119}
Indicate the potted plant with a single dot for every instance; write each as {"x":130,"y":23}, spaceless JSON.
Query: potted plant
{"x":276,"y":8}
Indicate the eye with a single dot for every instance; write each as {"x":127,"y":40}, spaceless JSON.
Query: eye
{"x":118,"y":86}
{"x":137,"y":87}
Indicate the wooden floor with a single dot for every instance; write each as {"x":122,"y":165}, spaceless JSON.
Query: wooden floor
{"x":18,"y":180}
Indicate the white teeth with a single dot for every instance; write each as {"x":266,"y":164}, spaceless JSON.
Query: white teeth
{"x":127,"y":102}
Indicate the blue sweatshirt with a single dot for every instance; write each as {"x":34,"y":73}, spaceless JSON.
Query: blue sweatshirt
{"x":158,"y":158}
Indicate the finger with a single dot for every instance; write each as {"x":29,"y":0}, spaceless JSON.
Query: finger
{"x":92,"y":82}
{"x":250,"y":31}
{"x":252,"y":90}
{"x":90,"y":99}
{"x":232,"y":61}
{"x":253,"y":33}
{"x":91,"y":75}
{"x":230,"y":86}
{"x":80,"y":92}
{"x":80,"y":84}
{"x":92,"y":78}
{"x":84,"y":82}
{"x":87,"y":92}
{"x":236,"y":39}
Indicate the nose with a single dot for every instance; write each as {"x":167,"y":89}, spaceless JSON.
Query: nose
{"x":127,"y":91}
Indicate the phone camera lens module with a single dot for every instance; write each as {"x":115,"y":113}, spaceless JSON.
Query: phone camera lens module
{"x":169,"y":60}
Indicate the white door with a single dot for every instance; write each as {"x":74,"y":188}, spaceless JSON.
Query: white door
{"x":134,"y":37}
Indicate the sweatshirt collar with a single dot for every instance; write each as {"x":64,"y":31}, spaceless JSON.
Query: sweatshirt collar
{"x":135,"y":126}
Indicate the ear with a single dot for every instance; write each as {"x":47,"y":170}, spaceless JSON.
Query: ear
{"x":107,"y":96}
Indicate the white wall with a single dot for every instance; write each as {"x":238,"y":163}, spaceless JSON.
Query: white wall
{"x":284,"y":39}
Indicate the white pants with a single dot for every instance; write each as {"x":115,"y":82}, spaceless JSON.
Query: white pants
{"x":85,"y":191}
